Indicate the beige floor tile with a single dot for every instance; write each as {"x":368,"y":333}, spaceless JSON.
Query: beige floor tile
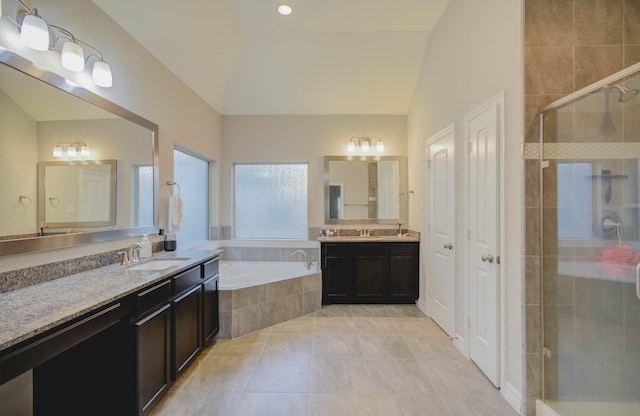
{"x":404,"y":311}
{"x":422,"y":326}
{"x":455,"y":377}
{"x":341,"y":404}
{"x":484,"y":405}
{"x":369,"y":311}
{"x":433,"y":348}
{"x":376,"y":326}
{"x":276,"y":404}
{"x":411,"y":405}
{"x":336,"y":346}
{"x":335,"y":326}
{"x":288,"y":345}
{"x":300,"y":326}
{"x":385,"y":347}
{"x":285,"y":375}
{"x":246,"y":345}
{"x":200,"y":403}
{"x":334,"y":311}
{"x":398,"y":376}
{"x":330,"y":375}
{"x":216,"y":373}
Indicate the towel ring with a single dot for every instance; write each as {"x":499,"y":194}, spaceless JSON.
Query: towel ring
{"x":172,"y":183}
{"x":25,"y":201}
{"x":54,"y":202}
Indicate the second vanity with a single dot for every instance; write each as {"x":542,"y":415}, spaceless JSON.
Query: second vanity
{"x":110,"y":340}
{"x":382,"y":269}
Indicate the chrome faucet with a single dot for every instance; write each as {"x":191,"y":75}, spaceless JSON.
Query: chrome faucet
{"x":130,"y":256}
{"x":307,"y":264}
{"x":365,"y":233}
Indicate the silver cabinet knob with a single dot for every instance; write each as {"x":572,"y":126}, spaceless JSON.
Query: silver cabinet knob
{"x":488,"y":258}
{"x":448,"y":246}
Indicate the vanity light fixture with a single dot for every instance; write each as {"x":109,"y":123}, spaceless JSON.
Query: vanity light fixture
{"x":74,"y":53}
{"x":71,"y":149}
{"x":365,"y":144}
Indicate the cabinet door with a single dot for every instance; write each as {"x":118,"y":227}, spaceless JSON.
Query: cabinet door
{"x":210,"y":313}
{"x":186,"y":329}
{"x":152,"y":358}
{"x":337,"y":280}
{"x":371,"y":278}
{"x":403,"y":272}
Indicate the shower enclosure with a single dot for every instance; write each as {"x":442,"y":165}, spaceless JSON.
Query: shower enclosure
{"x":590,"y":158}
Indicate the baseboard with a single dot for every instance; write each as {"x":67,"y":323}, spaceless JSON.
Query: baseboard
{"x":513,"y":396}
{"x":543,"y":410}
{"x":422,"y":306}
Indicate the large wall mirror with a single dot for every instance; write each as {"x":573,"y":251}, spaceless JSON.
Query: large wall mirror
{"x":107,"y":190}
{"x":365,"y":190}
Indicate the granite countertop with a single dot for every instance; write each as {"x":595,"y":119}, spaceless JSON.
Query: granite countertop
{"x":33,"y":310}
{"x":372,"y":239}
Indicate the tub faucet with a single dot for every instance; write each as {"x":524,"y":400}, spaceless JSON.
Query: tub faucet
{"x":307,"y":264}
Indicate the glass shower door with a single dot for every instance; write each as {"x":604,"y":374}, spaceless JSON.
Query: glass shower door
{"x":591,"y":247}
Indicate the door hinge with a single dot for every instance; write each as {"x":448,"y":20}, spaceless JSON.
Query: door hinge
{"x":546,"y":352}
{"x":498,"y":260}
{"x":428,"y":164}
{"x":545,"y":164}
{"x":470,"y":147}
{"x":428,"y":228}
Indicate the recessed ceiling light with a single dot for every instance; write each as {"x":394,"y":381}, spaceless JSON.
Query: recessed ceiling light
{"x":285,"y":9}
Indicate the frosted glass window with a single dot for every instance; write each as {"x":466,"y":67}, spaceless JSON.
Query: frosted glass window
{"x":271,"y":200}
{"x":192,"y":175}
{"x":143,"y":195}
{"x":575,"y":204}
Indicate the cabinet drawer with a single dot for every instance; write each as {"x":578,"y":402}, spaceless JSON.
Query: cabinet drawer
{"x":210,"y":268}
{"x":404,"y":248}
{"x":338,"y":249}
{"x":371,"y":249}
{"x":150,"y":298}
{"x":186,"y":280}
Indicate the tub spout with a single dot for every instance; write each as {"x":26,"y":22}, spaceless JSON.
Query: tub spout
{"x":307,"y":264}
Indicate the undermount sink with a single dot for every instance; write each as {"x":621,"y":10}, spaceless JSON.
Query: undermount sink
{"x":157,"y":264}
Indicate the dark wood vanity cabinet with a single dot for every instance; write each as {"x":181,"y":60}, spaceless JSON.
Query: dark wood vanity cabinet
{"x":187,"y":329}
{"x":369,"y":272}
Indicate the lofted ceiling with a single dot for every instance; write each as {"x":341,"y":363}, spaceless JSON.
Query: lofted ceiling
{"x":327,"y":57}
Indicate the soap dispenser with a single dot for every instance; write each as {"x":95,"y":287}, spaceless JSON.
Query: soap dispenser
{"x":145,"y":251}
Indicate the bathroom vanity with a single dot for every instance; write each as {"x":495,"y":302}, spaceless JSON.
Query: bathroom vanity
{"x":369,"y":269}
{"x":114,"y":339}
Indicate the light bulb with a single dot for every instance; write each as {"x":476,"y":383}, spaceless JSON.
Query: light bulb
{"x":71,"y":151}
{"x":73,"y":57}
{"x":34,"y":32}
{"x":84,"y":151}
{"x":365,"y":145}
{"x":351,"y":146}
{"x":380,"y":146}
{"x":102,"y":74}
{"x":57,"y":151}
{"x":285,"y":9}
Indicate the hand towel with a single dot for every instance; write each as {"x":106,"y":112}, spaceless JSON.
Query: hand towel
{"x":175,"y":212}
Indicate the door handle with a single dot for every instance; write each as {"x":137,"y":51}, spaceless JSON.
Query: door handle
{"x":489,"y":258}
{"x":448,"y":246}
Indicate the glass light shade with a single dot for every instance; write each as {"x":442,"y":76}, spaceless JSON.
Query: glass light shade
{"x":351,"y":147}
{"x":102,"y":74}
{"x":57,"y":151}
{"x":72,"y":57}
{"x":84,"y":151}
{"x":34,"y":33}
{"x":71,"y":151}
{"x":380,"y":146}
{"x":285,"y":9}
{"x":365,"y":145}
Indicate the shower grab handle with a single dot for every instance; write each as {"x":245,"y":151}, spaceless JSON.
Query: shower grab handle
{"x":638,"y":280}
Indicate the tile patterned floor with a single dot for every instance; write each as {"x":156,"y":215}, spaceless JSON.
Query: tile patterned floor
{"x":369,"y":360}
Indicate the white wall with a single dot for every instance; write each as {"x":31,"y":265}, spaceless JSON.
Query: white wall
{"x":475,"y":52}
{"x":299,"y":138}
{"x":140,"y":84}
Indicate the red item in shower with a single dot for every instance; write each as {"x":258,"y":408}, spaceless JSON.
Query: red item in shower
{"x":619,"y":261}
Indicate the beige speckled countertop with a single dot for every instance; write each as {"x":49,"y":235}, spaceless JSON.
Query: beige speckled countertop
{"x":372,"y":239}
{"x":33,"y":310}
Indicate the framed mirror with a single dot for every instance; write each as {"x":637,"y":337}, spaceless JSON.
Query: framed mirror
{"x":365,"y":189}
{"x":85,"y":141}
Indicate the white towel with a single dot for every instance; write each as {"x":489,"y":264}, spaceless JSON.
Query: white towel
{"x":175,"y":213}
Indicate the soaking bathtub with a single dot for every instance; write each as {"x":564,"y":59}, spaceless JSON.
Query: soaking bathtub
{"x":256,"y":295}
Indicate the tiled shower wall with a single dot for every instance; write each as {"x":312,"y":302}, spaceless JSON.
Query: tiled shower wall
{"x":569,"y":44}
